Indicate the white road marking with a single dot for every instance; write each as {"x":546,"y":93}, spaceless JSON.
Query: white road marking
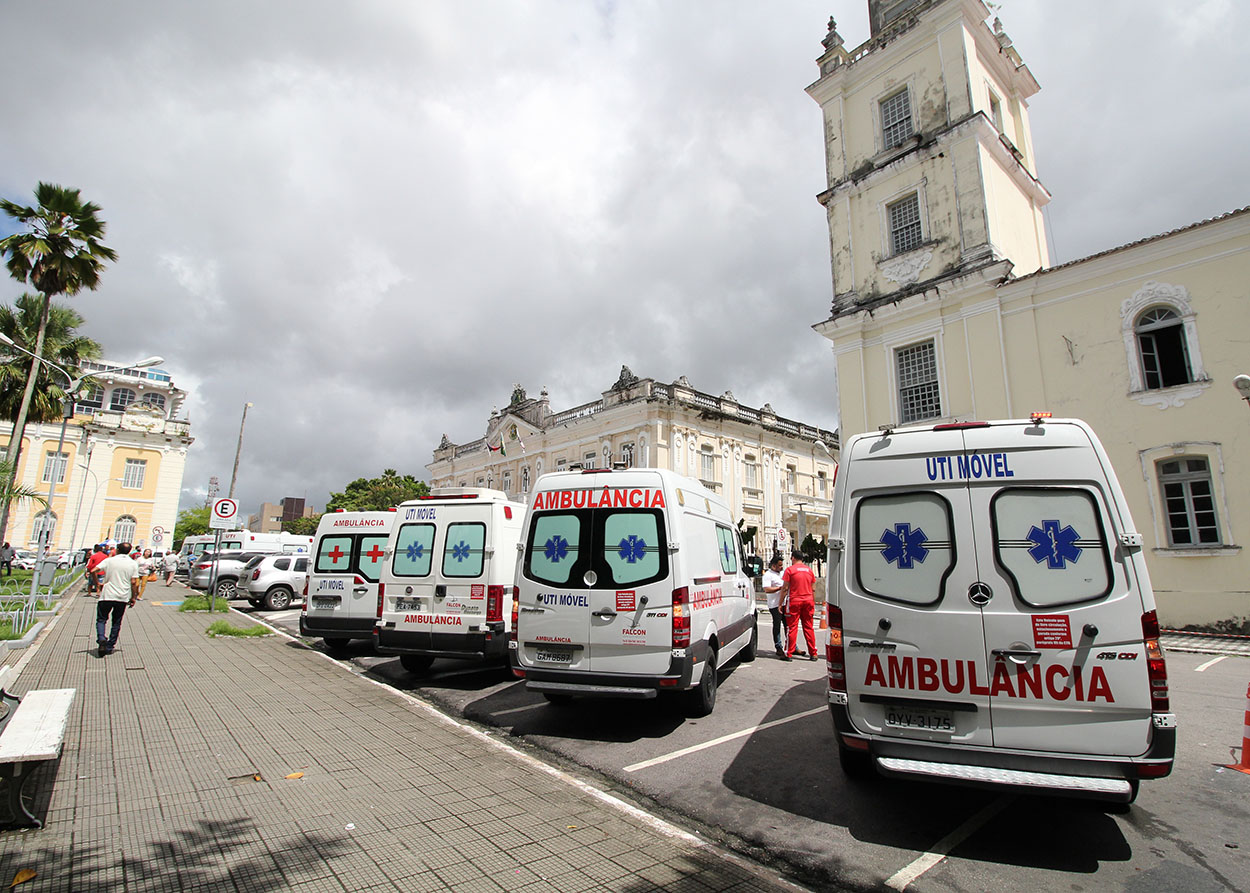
{"x":919,"y":866}
{"x":645,"y":764}
{"x":516,"y":709}
{"x":1211,"y":662}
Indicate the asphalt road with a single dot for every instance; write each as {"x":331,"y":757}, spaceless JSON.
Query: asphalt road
{"x":761,"y":774}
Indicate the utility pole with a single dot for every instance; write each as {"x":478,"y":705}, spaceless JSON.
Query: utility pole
{"x":237,"y":450}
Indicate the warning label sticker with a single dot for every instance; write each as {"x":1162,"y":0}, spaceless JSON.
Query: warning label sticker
{"x":1051,"y":631}
{"x":625,"y":600}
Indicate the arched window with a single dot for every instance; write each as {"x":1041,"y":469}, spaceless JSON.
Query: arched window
{"x":156,"y":401}
{"x":124,"y":529}
{"x":1163,"y":349}
{"x":121,"y":398}
{"x":44,"y":519}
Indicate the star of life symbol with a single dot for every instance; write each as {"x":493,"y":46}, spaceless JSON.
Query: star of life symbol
{"x":415,"y":551}
{"x":728,"y":553}
{"x":632,"y":549}
{"x":903,"y":546}
{"x":556,"y":549}
{"x":460,"y":551}
{"x":1054,"y":545}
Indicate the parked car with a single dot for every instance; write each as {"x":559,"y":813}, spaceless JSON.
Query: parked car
{"x":273,"y":581}
{"x":228,"y":568}
{"x":24,"y":560}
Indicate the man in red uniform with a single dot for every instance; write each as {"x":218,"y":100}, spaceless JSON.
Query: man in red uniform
{"x":799,"y":587}
{"x":93,"y":581}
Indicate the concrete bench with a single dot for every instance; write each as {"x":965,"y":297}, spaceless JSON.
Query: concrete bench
{"x":31,"y":733}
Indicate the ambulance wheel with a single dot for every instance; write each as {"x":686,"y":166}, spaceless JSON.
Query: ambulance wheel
{"x":703,"y":696}
{"x":856,"y":764}
{"x":278,"y":598}
{"x":336,"y":645}
{"x":416,"y":663}
{"x":558,"y":699}
{"x":753,"y":646}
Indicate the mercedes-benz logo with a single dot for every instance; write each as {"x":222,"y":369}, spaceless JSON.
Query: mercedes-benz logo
{"x":980,"y":594}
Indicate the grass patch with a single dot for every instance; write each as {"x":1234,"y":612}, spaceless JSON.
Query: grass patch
{"x":200,"y":603}
{"x":7,"y":633}
{"x":41,"y":605}
{"x":225,"y":628}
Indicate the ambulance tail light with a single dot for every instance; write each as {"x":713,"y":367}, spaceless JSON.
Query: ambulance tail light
{"x":1156,"y":666}
{"x":306,"y":590}
{"x":681,"y":617}
{"x":381,"y":596}
{"x":596,"y":470}
{"x":956,"y":426}
{"x":835,"y":654}
{"x":507,"y":512}
{"x":494,"y":602}
{"x":516,"y":606}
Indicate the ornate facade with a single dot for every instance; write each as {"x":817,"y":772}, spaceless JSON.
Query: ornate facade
{"x":119,"y":475}
{"x":945,"y":306}
{"x":770,"y":470}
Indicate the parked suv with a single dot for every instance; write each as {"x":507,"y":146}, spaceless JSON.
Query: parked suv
{"x":272,"y":581}
{"x":229,"y":568}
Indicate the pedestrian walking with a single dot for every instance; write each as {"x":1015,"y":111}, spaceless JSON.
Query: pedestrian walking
{"x":7,"y":554}
{"x":773,"y":585}
{"x":147,"y":570}
{"x":170,"y":565}
{"x":93,"y":563}
{"x":800,"y":585}
{"x":119,"y":588}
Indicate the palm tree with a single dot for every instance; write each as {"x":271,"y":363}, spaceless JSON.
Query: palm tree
{"x":61,"y":344}
{"x":59,"y":253}
{"x":11,"y":492}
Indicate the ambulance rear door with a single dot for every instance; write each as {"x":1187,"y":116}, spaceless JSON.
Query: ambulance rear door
{"x":1063,"y":627}
{"x":631,"y":596}
{"x":911,"y":598}
{"x":553,"y":611}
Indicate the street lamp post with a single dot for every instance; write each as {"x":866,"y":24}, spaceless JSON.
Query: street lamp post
{"x":45,"y":534}
{"x":237,"y":450}
{"x":1242,"y":384}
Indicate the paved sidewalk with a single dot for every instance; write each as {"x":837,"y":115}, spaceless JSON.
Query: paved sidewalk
{"x":158,"y":788}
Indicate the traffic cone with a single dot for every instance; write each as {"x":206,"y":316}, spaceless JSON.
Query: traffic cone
{"x":1244,"y":765}
{"x":824,"y":616}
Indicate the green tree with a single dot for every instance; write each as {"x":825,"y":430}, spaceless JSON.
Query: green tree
{"x":191,"y":522}
{"x":302,"y":526}
{"x":61,"y":343}
{"x":59,"y":253}
{"x":11,"y":492}
{"x":377,"y":494}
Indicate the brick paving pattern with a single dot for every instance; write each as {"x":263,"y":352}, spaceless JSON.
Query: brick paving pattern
{"x":157,"y":788}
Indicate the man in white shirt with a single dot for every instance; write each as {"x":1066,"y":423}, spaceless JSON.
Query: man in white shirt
{"x":773,"y":583}
{"x":119,"y":587}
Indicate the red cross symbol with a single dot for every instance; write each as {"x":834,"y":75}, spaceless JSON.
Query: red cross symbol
{"x":336,"y":554}
{"x":375,"y":553}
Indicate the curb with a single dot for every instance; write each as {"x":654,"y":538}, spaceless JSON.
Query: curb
{"x":26,"y":640}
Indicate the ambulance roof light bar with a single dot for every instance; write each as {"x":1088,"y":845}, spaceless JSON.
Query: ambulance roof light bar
{"x":887,"y":430}
{"x":595,"y":470}
{"x":1037,"y":417}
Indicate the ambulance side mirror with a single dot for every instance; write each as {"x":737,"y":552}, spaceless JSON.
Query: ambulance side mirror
{"x":754,"y":566}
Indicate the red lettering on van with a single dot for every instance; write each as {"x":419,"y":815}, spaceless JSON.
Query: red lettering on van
{"x":955,"y":676}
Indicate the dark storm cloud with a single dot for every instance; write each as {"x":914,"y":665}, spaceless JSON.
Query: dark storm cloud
{"x":372,"y":219}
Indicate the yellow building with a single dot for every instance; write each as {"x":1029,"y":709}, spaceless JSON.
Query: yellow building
{"x":770,"y":470}
{"x":945,"y":306}
{"x":119,"y":474}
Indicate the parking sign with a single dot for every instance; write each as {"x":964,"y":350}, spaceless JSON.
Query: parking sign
{"x":223,"y":515}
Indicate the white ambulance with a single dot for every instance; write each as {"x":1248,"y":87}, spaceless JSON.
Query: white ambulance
{"x":991,"y":620}
{"x":631,"y":583}
{"x":446,"y":587}
{"x":341,"y":592}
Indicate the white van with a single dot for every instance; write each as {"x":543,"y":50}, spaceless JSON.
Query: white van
{"x":446,"y":588}
{"x":991,"y":619}
{"x":244,"y":541}
{"x":631,"y":583}
{"x":341,"y":590}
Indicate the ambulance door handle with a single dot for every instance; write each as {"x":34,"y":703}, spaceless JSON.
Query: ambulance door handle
{"x":360,"y":590}
{"x":1016,"y":654}
{"x":605,"y":612}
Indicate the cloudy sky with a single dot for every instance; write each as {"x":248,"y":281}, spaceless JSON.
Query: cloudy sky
{"x":370,"y":219}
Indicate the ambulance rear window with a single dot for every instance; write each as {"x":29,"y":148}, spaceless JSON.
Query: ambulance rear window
{"x":1051,"y":543}
{"x":369,"y":560}
{"x":414,"y":550}
{"x":334,"y":555}
{"x":904,"y":546}
{"x":631,"y":546}
{"x":464,"y":550}
{"x":553,"y":547}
